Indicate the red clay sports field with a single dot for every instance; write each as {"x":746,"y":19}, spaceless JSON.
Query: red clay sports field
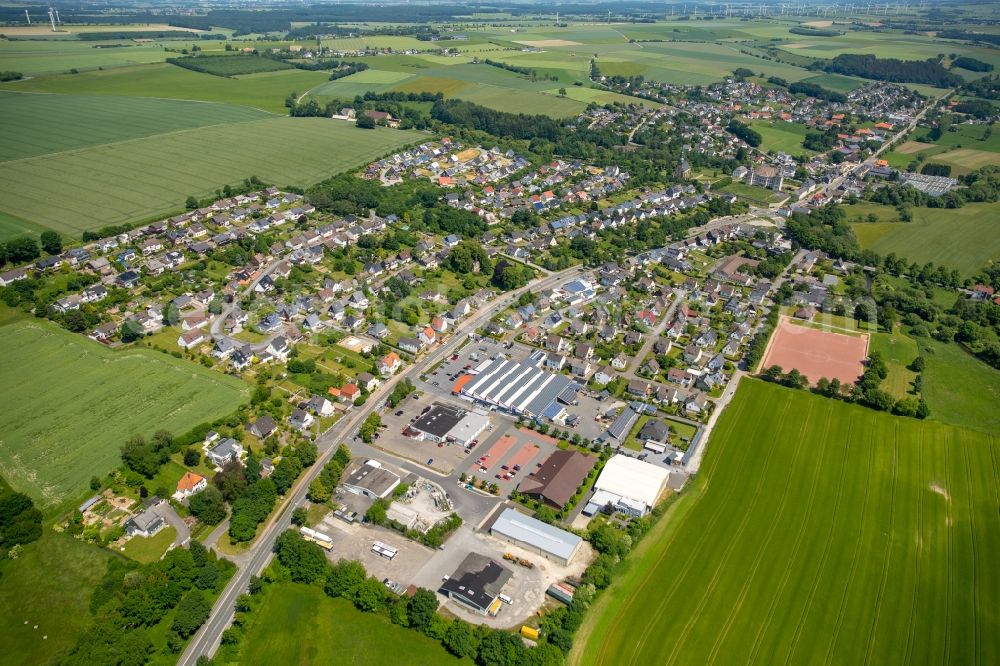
{"x":817,"y":353}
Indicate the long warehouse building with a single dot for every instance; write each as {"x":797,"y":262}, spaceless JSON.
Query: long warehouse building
{"x":519,"y":388}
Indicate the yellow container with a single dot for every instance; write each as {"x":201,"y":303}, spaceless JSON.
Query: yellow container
{"x":529,"y":632}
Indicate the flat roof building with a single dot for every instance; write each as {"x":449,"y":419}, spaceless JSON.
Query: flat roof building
{"x":449,"y":423}
{"x":371,"y":480}
{"x":476,"y":584}
{"x":555,"y":482}
{"x":628,"y":486}
{"x":519,"y":388}
{"x":538,"y":537}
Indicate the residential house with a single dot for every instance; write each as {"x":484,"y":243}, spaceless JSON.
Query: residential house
{"x":190,"y":484}
{"x":226,"y":451}
{"x":389,"y":364}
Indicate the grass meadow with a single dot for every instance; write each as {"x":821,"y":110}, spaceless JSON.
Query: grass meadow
{"x":959,"y":388}
{"x":964,"y":238}
{"x":899,"y":351}
{"x":41,"y":124}
{"x":136,"y":180}
{"x":49,"y":585}
{"x":782,"y":136}
{"x":67,"y":404}
{"x":299,"y":624}
{"x":824,"y":533}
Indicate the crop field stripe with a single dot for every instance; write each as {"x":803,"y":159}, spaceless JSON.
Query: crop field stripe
{"x":767,"y":542}
{"x":917,"y":550}
{"x":820,"y":567}
{"x":651,"y":570}
{"x":888,"y":547}
{"x":977,"y":619}
{"x":666,"y":599}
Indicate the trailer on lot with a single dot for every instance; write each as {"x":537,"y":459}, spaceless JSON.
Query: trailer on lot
{"x":384,"y":550}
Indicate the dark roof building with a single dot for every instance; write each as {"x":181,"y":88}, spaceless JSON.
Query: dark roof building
{"x":558,"y":478}
{"x":476,"y":584}
{"x":437,"y":422}
{"x":655,"y":430}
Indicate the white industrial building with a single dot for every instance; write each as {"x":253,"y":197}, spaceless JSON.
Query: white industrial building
{"x":538,"y":537}
{"x":627,"y":486}
{"x":518,"y":388}
{"x":372,"y":480}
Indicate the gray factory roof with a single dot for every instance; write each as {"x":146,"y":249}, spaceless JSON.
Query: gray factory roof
{"x":526,"y":529}
{"x":518,"y":387}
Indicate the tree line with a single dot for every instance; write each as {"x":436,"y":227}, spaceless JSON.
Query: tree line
{"x":868,"y":66}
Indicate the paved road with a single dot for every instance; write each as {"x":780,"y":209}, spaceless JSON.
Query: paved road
{"x":216,"y":327}
{"x":206,"y":641}
{"x":173,"y":519}
{"x":652,"y":336}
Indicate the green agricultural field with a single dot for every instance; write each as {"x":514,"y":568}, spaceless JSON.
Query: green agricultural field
{"x":12,"y":227}
{"x":781,"y":136}
{"x":136,"y":180}
{"x":299,"y":624}
{"x":884,"y":44}
{"x":826,"y":533}
{"x":36,"y":58}
{"x":67,"y":404}
{"x":263,"y":91}
{"x":50,"y":586}
{"x":959,"y":388}
{"x":963,"y":238}
{"x":964,"y":147}
{"x":40,"y":124}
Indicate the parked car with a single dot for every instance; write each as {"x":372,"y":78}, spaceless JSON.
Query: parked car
{"x":430,"y":461}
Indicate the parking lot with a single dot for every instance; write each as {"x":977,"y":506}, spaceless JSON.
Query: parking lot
{"x":509,"y":456}
{"x":444,"y":457}
{"x":354,"y":542}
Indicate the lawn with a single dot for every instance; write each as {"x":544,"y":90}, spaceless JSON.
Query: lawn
{"x":49,"y":585}
{"x":42,"y":124}
{"x":299,"y":624}
{"x":964,"y":238}
{"x":145,"y":550}
{"x":782,"y":137}
{"x":823,"y":533}
{"x":67,"y":404}
{"x":899,"y":351}
{"x":137,"y":180}
{"x":959,"y":388}
{"x":753,"y":192}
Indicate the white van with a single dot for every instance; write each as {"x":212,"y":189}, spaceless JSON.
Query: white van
{"x":504,"y":598}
